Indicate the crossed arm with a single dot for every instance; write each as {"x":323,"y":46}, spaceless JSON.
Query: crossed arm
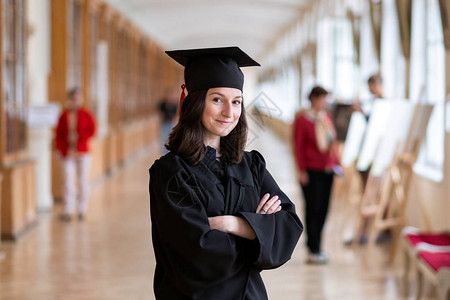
{"x":239,"y":226}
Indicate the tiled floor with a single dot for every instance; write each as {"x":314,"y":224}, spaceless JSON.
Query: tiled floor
{"x":110,"y":256}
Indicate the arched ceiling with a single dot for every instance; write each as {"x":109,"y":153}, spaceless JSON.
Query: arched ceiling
{"x":252,"y":25}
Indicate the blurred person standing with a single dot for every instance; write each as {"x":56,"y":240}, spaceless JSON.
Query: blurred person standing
{"x":375,"y":85}
{"x":76,"y":126}
{"x":316,"y":158}
{"x":168,"y":108}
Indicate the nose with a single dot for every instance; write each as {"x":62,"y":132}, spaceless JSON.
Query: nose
{"x":227,"y":110}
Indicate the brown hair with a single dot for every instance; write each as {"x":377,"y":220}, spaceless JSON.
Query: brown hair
{"x":374,"y":79}
{"x":72,"y":92}
{"x":186,"y":138}
{"x":316,"y":92}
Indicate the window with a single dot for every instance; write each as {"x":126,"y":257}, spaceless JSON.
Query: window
{"x":133,"y":82}
{"x":344,"y":57}
{"x":369,"y":63}
{"x":335,"y":58}
{"x":143,"y":79}
{"x":428,"y":83}
{"x":74,"y":42}
{"x":124,"y":69}
{"x":392,"y":58}
{"x":104,"y":72}
{"x":93,"y":82}
{"x":14,"y":76}
{"x":279,"y":97}
{"x":325,"y":52}
{"x":116,"y":83}
{"x":307,"y":76}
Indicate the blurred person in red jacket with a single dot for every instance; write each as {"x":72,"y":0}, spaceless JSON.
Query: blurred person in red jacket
{"x":76,"y":126}
{"x":316,"y":158}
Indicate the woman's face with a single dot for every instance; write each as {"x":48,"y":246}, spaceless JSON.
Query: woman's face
{"x":319,"y":103}
{"x":76,"y":101}
{"x":221,"y":113}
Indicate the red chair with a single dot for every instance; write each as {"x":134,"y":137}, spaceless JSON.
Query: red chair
{"x":430,"y":253}
{"x":437,"y":239}
{"x":435,"y":268}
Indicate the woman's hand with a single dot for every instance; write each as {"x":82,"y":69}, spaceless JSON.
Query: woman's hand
{"x":304,"y":178}
{"x":219,"y":223}
{"x":356,"y":107}
{"x":232,"y":224}
{"x":269,"y":206}
{"x":239,"y":226}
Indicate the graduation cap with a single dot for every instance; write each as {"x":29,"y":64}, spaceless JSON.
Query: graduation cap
{"x":212,"y":67}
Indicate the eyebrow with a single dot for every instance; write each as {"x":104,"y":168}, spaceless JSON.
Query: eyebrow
{"x":222,"y":95}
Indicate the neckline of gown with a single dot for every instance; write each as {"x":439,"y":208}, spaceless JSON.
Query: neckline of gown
{"x":216,"y":166}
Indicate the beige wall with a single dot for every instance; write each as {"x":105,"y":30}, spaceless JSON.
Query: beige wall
{"x":429,"y":202}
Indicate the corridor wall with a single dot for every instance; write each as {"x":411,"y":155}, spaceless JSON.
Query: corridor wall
{"x":48,"y":47}
{"x":18,"y":195}
{"x":133,"y":77}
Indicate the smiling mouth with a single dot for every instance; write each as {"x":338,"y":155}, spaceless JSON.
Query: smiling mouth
{"x":224,"y":122}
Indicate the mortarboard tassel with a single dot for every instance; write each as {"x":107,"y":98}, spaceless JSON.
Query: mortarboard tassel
{"x":182,"y":96}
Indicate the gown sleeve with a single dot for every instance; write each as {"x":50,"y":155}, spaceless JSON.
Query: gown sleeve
{"x":276,"y":234}
{"x":194,"y":256}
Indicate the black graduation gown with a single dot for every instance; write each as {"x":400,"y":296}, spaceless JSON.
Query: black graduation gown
{"x":195,"y":262}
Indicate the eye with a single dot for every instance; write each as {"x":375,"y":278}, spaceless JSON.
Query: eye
{"x":237,"y":102}
{"x":218,"y":100}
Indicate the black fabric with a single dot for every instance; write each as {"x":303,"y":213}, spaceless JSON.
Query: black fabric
{"x":317,"y":200}
{"x":195,"y":262}
{"x":212,"y":67}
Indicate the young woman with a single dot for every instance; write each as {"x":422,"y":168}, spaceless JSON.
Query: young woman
{"x":315,"y":153}
{"x":218,"y":216}
{"x":76,"y":126}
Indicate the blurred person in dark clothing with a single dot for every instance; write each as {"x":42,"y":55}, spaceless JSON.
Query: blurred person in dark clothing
{"x":168,"y":108}
{"x":316,"y":158}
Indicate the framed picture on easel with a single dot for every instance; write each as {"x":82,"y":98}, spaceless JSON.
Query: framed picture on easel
{"x":341,"y":116}
{"x":395,"y":135}
{"x":354,"y":139}
{"x":378,"y":122}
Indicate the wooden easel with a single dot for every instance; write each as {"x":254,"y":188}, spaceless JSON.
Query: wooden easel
{"x":368,"y":208}
{"x":350,"y":190}
{"x":389,"y":212}
{"x":384,"y":202}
